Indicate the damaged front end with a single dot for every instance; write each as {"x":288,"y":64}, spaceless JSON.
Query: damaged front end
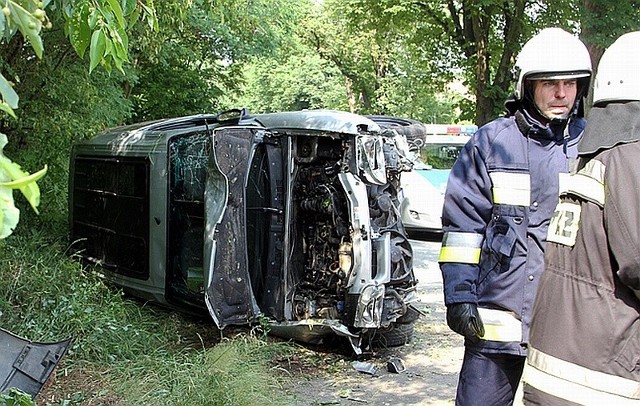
{"x":311,"y":236}
{"x":290,"y":218}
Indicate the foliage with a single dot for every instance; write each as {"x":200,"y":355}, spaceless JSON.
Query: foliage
{"x":122,"y":348}
{"x":233,"y":372}
{"x":195,"y":61}
{"x":84,"y":104}
{"x":13,"y":177}
{"x":478,"y":41}
{"x":603,"y":21}
{"x":383,"y":70}
{"x":97,"y":26}
{"x":16,"y":397}
{"x":300,"y":81}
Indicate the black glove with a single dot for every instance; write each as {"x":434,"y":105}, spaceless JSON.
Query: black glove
{"x":463,"y":318}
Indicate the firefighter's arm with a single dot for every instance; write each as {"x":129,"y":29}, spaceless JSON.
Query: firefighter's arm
{"x":622,"y":213}
{"x":466,"y":212}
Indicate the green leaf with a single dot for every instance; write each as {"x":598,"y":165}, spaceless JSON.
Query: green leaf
{"x":117,"y":10}
{"x":9,"y":95}
{"x":79,"y":31}
{"x":25,"y":180}
{"x":133,"y":17}
{"x":97,"y":50}
{"x":13,"y":177}
{"x":9,"y":213}
{"x":129,"y":7}
{"x":93,"y":19}
{"x":29,"y":187}
{"x":28,"y":25}
{"x":108,"y":43}
{"x":5,"y":107}
{"x":151,"y":17}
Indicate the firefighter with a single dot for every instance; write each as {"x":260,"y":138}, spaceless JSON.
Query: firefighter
{"x":500,"y":195}
{"x":585,"y":333}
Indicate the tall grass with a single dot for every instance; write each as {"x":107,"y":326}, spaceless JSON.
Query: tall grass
{"x":123,"y":349}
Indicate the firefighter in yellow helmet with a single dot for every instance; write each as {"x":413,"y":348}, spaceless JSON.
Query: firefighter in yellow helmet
{"x":584,"y":345}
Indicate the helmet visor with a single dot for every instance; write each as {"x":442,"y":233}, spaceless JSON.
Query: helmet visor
{"x":557,"y":75}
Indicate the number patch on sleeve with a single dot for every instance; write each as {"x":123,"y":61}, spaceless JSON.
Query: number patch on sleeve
{"x":564,"y":224}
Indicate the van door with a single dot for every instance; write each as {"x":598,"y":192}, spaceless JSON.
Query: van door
{"x":229,"y":296}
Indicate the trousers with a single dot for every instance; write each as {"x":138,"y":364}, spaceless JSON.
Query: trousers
{"x":488,"y":379}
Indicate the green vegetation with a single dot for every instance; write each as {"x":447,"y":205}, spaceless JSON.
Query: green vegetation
{"x":79,"y":66}
{"x":123,"y":349}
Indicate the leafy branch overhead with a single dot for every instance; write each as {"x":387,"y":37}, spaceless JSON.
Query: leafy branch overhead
{"x":13,"y":177}
{"x":99,"y":26}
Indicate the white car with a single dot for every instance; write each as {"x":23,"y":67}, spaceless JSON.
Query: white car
{"x":422,"y":196}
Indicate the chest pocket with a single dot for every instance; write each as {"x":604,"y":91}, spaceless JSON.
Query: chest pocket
{"x":501,"y":237}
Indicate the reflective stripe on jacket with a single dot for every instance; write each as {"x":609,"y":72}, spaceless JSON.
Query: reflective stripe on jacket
{"x":577,"y":384}
{"x":500,"y":195}
{"x":585,"y":332}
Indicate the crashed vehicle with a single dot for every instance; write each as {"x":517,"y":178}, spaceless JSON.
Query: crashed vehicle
{"x":287,"y":217}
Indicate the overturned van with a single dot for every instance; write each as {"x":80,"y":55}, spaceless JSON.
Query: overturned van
{"x":286,"y":217}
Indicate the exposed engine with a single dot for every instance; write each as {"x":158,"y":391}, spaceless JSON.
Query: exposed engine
{"x":324,"y":230}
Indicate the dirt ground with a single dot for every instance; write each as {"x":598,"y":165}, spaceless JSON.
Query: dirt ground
{"x":432,"y":359}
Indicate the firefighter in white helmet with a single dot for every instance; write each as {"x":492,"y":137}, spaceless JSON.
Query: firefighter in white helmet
{"x":500,"y":196}
{"x":584,"y":343}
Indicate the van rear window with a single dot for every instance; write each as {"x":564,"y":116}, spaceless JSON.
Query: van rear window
{"x":110,"y":213}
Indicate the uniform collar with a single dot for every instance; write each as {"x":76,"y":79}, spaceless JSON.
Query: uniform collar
{"x":531,"y":127}
{"x":610,"y":125}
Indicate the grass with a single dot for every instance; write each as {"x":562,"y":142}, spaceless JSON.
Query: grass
{"x":125,"y":352}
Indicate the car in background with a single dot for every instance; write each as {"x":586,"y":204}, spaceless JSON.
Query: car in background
{"x":423,"y":188}
{"x":289,"y":219}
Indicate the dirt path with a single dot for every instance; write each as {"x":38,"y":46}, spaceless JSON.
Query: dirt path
{"x":432,"y":359}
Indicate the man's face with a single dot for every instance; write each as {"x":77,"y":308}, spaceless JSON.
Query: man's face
{"x":555,"y":98}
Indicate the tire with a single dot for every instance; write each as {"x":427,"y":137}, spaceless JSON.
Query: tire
{"x":395,"y":335}
{"x":413,"y":130}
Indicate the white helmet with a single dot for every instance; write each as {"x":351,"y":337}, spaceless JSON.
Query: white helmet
{"x":552,"y":54}
{"x":618,"y":76}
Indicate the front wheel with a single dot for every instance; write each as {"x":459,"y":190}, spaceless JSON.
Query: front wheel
{"x":395,"y":335}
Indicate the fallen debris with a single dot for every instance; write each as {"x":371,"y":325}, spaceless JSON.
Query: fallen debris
{"x":365,"y":367}
{"x":395,"y":365}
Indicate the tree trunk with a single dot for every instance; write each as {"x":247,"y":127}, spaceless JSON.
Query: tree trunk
{"x":484,"y":103}
{"x":350,"y":96}
{"x":592,"y":10}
